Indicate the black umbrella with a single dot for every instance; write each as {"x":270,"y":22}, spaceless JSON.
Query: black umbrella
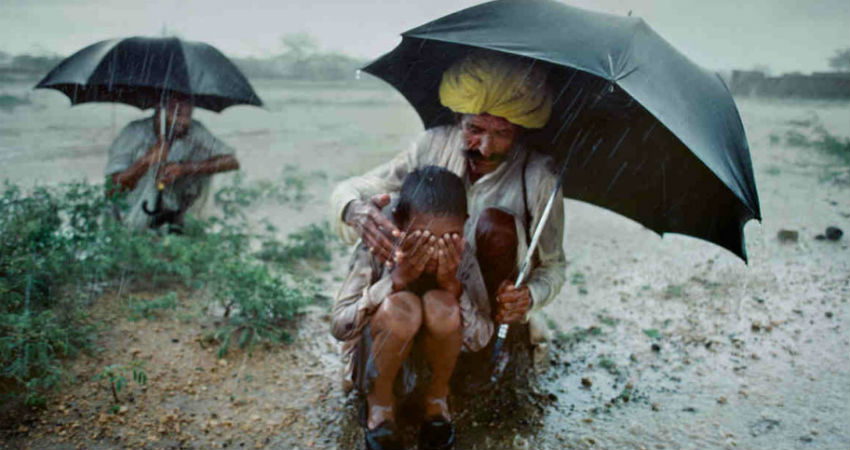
{"x":141,"y":71}
{"x":641,"y":130}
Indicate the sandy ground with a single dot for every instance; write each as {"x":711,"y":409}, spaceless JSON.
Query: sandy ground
{"x":710,"y":352}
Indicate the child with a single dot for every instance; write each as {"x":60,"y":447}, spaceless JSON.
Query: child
{"x":433,"y":297}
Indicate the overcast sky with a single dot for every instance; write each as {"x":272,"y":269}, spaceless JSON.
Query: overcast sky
{"x":785,"y":35}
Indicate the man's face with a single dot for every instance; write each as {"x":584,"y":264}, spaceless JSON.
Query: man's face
{"x":437,"y":226}
{"x":178,"y":114}
{"x":488,"y":140}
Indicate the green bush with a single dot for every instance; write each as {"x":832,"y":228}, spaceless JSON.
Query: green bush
{"x":149,"y":309}
{"x":59,"y":249}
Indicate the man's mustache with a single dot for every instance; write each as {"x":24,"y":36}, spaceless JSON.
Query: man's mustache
{"x":475,"y":155}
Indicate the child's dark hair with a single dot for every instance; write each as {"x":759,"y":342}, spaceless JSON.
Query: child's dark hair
{"x":431,"y":190}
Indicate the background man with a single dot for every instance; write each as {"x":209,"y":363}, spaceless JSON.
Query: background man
{"x":139,"y":159}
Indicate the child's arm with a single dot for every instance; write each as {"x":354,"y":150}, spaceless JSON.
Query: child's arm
{"x":358,"y":297}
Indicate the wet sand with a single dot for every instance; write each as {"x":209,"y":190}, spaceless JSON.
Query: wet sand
{"x":711,"y":353}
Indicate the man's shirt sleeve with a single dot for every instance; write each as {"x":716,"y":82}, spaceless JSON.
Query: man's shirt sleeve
{"x":359,"y":296}
{"x":125,"y":147}
{"x":548,"y":277}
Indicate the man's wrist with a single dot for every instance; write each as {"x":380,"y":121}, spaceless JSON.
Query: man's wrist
{"x":189,"y":168}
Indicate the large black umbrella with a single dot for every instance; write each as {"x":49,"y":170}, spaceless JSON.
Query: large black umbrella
{"x":140,"y":71}
{"x":643,"y":131}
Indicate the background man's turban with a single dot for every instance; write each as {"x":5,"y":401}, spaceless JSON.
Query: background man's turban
{"x":499,"y":85}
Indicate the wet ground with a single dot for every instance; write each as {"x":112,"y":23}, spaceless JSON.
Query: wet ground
{"x":657,"y":342}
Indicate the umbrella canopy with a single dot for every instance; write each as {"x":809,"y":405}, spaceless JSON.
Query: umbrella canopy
{"x":643,"y":131}
{"x":139,"y":71}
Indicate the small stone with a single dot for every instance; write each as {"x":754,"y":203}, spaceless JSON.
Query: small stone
{"x":834,"y":233}
{"x":586,"y":382}
{"x":828,"y":314}
{"x":721,"y":400}
{"x":656,"y":348}
{"x":656,"y":407}
{"x":123,"y":409}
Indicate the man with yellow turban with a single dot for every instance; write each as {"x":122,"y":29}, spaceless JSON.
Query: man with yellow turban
{"x":497,"y":98}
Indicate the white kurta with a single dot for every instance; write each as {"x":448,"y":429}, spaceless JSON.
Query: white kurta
{"x":443,"y":146}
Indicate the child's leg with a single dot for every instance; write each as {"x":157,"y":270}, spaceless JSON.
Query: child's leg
{"x":393,"y":326}
{"x":443,"y":342}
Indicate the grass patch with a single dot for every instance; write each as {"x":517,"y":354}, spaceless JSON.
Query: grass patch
{"x":578,"y":335}
{"x":674,"y":291}
{"x":607,"y":320}
{"x":609,"y":365}
{"x":150,"y":309}
{"x":814,"y":136}
{"x":653,"y":333}
{"x":773,"y":171}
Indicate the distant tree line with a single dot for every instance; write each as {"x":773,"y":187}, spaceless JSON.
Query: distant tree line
{"x":301,"y":59}
{"x":840,"y":61}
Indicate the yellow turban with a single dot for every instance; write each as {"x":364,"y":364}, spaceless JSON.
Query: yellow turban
{"x":486,"y":82}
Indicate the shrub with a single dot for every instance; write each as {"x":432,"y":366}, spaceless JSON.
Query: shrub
{"x":59,"y":249}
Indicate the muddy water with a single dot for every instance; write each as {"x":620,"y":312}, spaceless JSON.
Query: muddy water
{"x":709,"y":352}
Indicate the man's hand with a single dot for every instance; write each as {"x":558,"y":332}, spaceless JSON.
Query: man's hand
{"x":418,"y":248}
{"x":170,"y":172}
{"x":376,"y":230}
{"x":449,"y":249}
{"x":158,"y":152}
{"x":513,"y":302}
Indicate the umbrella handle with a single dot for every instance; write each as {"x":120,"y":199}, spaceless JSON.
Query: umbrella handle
{"x":160,"y":186}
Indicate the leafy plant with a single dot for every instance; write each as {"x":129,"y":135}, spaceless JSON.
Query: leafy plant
{"x":116,"y":376}
{"x":59,"y":248}
{"x":149,"y":309}
{"x":653,"y":333}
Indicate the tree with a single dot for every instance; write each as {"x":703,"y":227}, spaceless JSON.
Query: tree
{"x":840,"y":61}
{"x":300,"y":45}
